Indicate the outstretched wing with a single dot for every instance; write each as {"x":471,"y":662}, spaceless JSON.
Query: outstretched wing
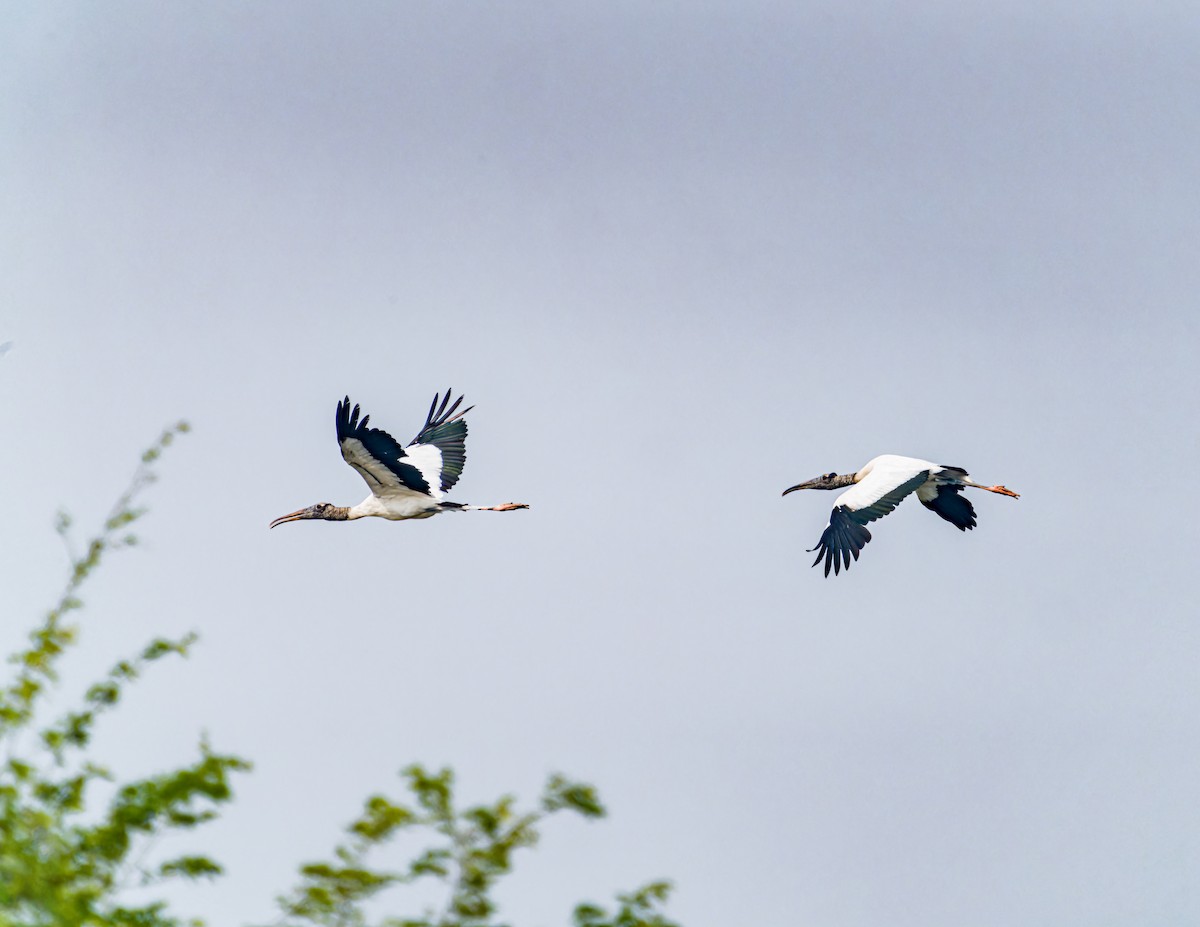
{"x":439,"y":451}
{"x":376,"y":455}
{"x":843,"y":538}
{"x":875,"y":495}
{"x":946,"y":500}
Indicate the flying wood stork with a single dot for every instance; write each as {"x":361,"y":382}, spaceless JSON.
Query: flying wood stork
{"x":405,"y":482}
{"x":877,"y":489}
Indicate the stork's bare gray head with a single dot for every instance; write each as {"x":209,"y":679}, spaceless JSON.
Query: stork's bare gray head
{"x":827,"y":481}
{"x":326,"y":511}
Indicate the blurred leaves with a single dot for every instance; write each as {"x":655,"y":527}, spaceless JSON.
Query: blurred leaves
{"x":61,"y":862}
{"x":472,"y":849}
{"x":65,"y":864}
{"x":37,"y":664}
{"x":637,"y":909}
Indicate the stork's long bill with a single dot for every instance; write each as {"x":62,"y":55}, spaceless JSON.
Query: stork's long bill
{"x":877,"y":489}
{"x":405,"y":482}
{"x":323,"y":510}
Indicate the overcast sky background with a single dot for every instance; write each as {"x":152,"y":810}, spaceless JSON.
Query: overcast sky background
{"x":680,"y":256}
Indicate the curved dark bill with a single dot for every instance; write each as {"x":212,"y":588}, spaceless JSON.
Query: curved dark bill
{"x":293,"y":516}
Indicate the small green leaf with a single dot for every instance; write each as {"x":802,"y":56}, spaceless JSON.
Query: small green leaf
{"x":191,"y":867}
{"x":561,"y":793}
{"x":380,"y":819}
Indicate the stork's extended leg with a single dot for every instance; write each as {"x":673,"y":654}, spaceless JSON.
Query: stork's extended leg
{"x":1002,"y":490}
{"x":506,"y":507}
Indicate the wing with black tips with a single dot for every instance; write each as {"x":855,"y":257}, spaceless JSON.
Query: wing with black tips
{"x":873,"y":497}
{"x":843,"y":539}
{"x":440,"y":448}
{"x":378,"y":457}
{"x":947,"y":500}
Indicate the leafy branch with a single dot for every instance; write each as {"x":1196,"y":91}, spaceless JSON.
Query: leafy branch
{"x":54,"y":867}
{"x":62,"y":863}
{"x":48,"y":641}
{"x":473,"y":848}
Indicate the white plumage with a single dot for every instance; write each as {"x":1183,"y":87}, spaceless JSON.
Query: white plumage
{"x":875,"y":491}
{"x":405,"y":482}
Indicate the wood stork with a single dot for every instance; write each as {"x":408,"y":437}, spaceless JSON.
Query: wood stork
{"x":877,"y":489}
{"x":405,"y":482}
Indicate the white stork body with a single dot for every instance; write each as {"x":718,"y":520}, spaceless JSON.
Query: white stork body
{"x":877,"y":489}
{"x":405,"y":482}
{"x":394,"y":506}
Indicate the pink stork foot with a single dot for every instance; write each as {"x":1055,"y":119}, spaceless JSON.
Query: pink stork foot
{"x":508,"y":507}
{"x":1004,"y":491}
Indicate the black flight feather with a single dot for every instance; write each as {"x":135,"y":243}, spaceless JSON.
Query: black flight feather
{"x":951,"y":505}
{"x":379,"y":444}
{"x":445,"y":430}
{"x":843,"y":539}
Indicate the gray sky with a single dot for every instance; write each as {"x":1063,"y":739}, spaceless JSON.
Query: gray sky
{"x":680,"y":257}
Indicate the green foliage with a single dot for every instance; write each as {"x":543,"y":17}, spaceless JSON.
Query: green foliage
{"x":64,"y":863}
{"x":472,"y":848}
{"x":58,"y":864}
{"x":637,"y":909}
